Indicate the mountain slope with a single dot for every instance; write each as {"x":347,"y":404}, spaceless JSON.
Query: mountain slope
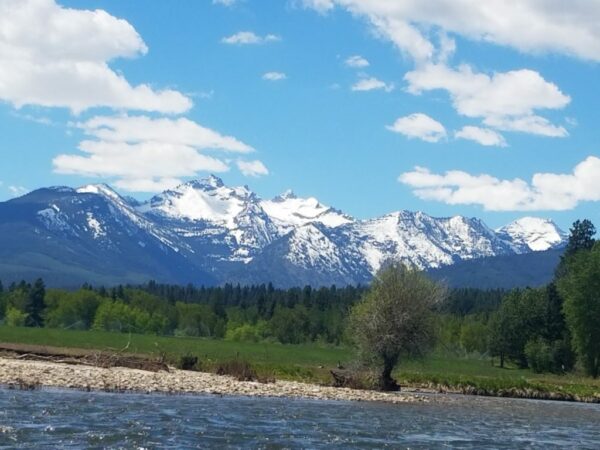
{"x":205,"y":232}
{"x":507,"y":271}
{"x":91,"y":235}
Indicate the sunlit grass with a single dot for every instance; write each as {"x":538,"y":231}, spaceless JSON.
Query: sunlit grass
{"x":310,"y":362}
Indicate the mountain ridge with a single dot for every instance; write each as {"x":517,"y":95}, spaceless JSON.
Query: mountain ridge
{"x":204,"y":231}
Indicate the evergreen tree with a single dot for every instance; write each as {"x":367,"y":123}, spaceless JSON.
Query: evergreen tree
{"x":35,"y":304}
{"x":580,"y":286}
{"x":581,"y":237}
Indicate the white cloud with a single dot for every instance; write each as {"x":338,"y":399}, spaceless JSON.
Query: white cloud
{"x":252,"y":168}
{"x":274,"y":76}
{"x":545,"y":191}
{"x":532,"y":26}
{"x":356,"y":62}
{"x":530,"y":123}
{"x":476,"y":94}
{"x":371,"y":84}
{"x":59,"y":57}
{"x":419,"y":126}
{"x":483,"y":136}
{"x":506,"y":100}
{"x":182,"y":131}
{"x":146,"y":154}
{"x":322,"y":6}
{"x":227,"y":3}
{"x":248,"y":38}
{"x":17,"y":191}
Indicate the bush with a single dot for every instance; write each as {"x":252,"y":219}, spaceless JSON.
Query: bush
{"x":248,"y":333}
{"x":539,"y":356}
{"x":240,"y":369}
{"x":15,"y":317}
{"x":473,"y":337}
{"x":544,"y":356}
{"x":363,"y":379}
{"x":188,"y":362}
{"x":117,"y":316}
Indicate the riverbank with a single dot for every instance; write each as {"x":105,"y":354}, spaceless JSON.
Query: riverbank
{"x":19,"y":374}
{"x":312,"y":363}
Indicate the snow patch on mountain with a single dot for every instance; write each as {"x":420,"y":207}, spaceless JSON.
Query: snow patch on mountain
{"x":415,"y":238}
{"x":94,"y":226}
{"x":289,"y":211}
{"x":310,"y":248}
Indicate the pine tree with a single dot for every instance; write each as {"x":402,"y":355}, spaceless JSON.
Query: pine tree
{"x":35,"y":304}
{"x":581,"y":238}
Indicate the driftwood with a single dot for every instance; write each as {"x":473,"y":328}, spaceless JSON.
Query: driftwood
{"x":343,"y":378}
{"x":85,"y":357}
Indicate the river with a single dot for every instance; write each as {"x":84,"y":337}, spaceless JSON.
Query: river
{"x":72,"y":419}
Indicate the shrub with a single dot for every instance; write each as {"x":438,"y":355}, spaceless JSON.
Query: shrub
{"x":188,"y":362}
{"x":15,"y":317}
{"x":544,"y":356}
{"x":248,"y":333}
{"x":240,"y":369}
{"x":539,"y":356}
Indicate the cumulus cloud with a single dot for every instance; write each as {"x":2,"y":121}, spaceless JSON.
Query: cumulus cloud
{"x":545,"y":191}
{"x":356,"y":62}
{"x":59,"y":57}
{"x":506,"y":100}
{"x":274,"y":76}
{"x":227,"y":3}
{"x":181,"y":131}
{"x":531,"y":26}
{"x":530,"y":123}
{"x":252,"y":168}
{"x":17,"y":191}
{"x":371,"y":84}
{"x":419,"y":126}
{"x":146,"y":154}
{"x":249,"y":38}
{"x":483,"y":136}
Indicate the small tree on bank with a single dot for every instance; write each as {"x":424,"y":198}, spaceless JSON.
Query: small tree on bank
{"x":395,"y":319}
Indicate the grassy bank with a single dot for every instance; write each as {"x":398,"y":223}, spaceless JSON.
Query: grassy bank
{"x":311,"y":362}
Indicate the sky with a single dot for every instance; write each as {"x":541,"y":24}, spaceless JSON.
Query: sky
{"x":453,"y":107}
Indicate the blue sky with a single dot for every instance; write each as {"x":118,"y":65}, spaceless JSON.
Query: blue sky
{"x":282,"y":105}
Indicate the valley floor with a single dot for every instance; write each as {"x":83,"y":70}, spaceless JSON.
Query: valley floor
{"x":298,"y":369}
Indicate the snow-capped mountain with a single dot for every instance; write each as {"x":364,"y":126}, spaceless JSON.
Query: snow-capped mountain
{"x":424,"y":241}
{"x":206,"y":232}
{"x":211,"y":217}
{"x":533,"y":234}
{"x":288,"y":212}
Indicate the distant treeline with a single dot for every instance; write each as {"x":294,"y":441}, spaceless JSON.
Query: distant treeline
{"x":245,"y":313}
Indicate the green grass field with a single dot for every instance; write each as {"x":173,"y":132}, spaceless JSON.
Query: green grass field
{"x":298,"y":362}
{"x":310,"y":362}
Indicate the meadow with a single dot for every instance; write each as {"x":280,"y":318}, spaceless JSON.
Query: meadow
{"x":312,"y":362}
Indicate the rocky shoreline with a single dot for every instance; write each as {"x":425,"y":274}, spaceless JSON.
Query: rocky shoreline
{"x":22,"y":374}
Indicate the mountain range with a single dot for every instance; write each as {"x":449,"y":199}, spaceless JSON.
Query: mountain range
{"x":204,"y":232}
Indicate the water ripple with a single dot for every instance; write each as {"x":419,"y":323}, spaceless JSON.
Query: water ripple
{"x":77,"y":420}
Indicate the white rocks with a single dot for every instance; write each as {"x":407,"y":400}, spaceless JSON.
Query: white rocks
{"x":20,"y":373}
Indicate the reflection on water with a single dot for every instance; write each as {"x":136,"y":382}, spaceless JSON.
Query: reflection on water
{"x":70,"y":419}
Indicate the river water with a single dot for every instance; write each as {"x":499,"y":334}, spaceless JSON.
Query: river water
{"x":71,"y":419}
